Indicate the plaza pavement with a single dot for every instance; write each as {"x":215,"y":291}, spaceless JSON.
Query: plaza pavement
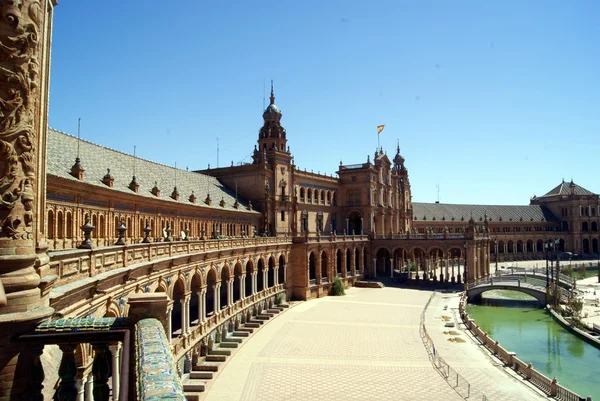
{"x":362,"y":346}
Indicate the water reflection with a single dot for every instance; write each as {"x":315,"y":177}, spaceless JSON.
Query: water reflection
{"x":522,"y":327}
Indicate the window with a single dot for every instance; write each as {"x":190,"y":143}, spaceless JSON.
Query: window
{"x":283,"y":215}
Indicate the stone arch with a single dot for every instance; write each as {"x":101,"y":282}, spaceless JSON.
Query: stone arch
{"x":511,"y":246}
{"x":50,"y":224}
{"x":501,"y":247}
{"x":584,"y":226}
{"x":302,"y":194}
{"x":238,"y":271}
{"x":195,"y":297}
{"x":338,"y":263}
{"x":260,"y":278}
{"x":312,"y":266}
{"x":161,"y":286}
{"x":519,"y":246}
{"x":211,"y":281}
{"x":249,"y":273}
{"x":594,"y":226}
{"x":112,"y":309}
{"x":539,"y":245}
{"x":355,"y":222}
{"x":529,"y":245}
{"x":60,"y":225}
{"x":281,"y":273}
{"x":178,"y":297}
{"x":348,"y":262}
{"x":383,"y":265}
{"x":309,"y":195}
{"x":271,"y":272}
{"x":316,"y":196}
{"x":324,"y":264}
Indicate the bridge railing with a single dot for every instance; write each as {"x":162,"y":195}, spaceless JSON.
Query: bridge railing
{"x":545,"y":384}
{"x":454,"y":379}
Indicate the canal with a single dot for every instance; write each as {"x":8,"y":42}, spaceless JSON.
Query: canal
{"x":513,"y":320}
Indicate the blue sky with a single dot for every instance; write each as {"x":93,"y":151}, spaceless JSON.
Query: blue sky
{"x":495,"y":101}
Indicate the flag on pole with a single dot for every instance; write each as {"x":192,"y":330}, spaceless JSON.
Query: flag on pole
{"x":380,"y":128}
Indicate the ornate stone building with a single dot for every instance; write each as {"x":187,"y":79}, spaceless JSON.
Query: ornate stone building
{"x":96,"y":234}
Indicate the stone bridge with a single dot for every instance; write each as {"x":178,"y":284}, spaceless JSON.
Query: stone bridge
{"x":530,"y":285}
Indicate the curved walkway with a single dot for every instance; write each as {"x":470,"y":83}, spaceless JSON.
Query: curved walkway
{"x":363,"y":346}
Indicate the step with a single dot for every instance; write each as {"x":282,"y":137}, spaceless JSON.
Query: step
{"x":216,"y":358}
{"x":189,"y":396}
{"x":247,"y":330}
{"x":253,"y":325}
{"x":274,"y":310}
{"x":206,"y":366}
{"x":262,"y":317}
{"x":229,"y":345}
{"x":218,"y":351}
{"x":194,"y":386}
{"x":201,"y":375}
{"x":231,"y":340}
{"x":285,"y":306}
{"x":240,"y":333}
{"x":267,"y":313}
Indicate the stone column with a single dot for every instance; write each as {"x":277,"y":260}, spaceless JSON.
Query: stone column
{"x":242,"y":286}
{"x":81,"y":386}
{"x":217,"y":297}
{"x":230,"y":291}
{"x":254,"y":283}
{"x":374,"y":267}
{"x":89,"y":387}
{"x":391,"y":268}
{"x":276,"y":275}
{"x":25,"y":32}
{"x":199,"y":294}
{"x":115,"y":351}
{"x":169,"y":323}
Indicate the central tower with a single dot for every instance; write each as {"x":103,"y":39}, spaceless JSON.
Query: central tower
{"x":271,"y":137}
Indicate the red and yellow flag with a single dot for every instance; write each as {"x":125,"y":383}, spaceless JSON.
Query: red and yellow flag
{"x":380,"y":128}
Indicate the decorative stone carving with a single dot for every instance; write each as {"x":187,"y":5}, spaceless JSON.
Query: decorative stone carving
{"x":19,"y":74}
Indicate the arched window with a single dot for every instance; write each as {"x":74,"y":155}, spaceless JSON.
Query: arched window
{"x":69,"y":225}
{"x":60,"y":234}
{"x":302,"y":194}
{"x":50,"y":229}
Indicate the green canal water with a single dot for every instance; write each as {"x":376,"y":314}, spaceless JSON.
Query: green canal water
{"x":519,"y":326}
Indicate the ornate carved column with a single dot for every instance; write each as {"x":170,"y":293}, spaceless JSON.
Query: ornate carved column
{"x":25,"y":32}
{"x":242,"y":286}
{"x":115,"y":352}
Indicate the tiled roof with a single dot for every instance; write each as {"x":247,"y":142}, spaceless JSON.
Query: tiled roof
{"x":95,"y":159}
{"x":449,"y":212}
{"x":568,"y":188}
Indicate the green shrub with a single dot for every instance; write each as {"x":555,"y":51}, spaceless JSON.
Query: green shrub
{"x":337,"y":288}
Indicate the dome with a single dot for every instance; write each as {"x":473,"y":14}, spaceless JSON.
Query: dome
{"x":272,"y":109}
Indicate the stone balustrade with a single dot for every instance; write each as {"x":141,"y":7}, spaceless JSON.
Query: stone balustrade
{"x":547,"y":385}
{"x":75,"y":264}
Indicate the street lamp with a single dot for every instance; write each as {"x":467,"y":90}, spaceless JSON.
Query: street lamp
{"x":496,"y":252}
{"x":465,"y":277}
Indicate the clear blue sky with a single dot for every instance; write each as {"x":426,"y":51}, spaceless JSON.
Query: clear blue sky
{"x":496,"y":101}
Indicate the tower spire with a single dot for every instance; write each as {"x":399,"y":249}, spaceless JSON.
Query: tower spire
{"x":272,"y":98}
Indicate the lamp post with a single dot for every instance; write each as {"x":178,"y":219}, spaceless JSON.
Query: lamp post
{"x":599,"y":265}
{"x":465,"y":276}
{"x":496,"y":254}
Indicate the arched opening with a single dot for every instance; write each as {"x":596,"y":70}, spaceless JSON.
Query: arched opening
{"x":302,"y":194}
{"x":594,"y":226}
{"x":196,"y":288}
{"x":356,"y":261}
{"x":519,"y":246}
{"x":561,"y":245}
{"x":565,"y":226}
{"x":324,"y":267}
{"x":595,"y":245}
{"x":529,"y":246}
{"x":249,"y":270}
{"x":511,"y":247}
{"x":355,"y":223}
{"x":328,"y":197}
{"x":224,"y":288}
{"x":323,"y":197}
{"x":178,"y":310}
{"x":383,"y":262}
{"x":50,"y":229}
{"x":237,"y":281}
{"x":211,"y":280}
{"x":434,"y":267}
{"x":586,"y":245}
{"x":309,"y":195}
{"x":271,"y":272}
{"x":312,"y":268}
{"x":501,"y":246}
{"x":338,"y":263}
{"x":260,"y":279}
{"x":60,"y":234}
{"x":418,"y":263}
{"x":584,"y":226}
{"x":348,"y":262}
{"x":539,"y":245}
{"x":316,"y":193}
{"x":69,"y":225}
{"x":334,"y":199}
{"x":281,"y":270}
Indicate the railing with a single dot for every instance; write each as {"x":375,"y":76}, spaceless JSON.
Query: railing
{"x":68,"y":334}
{"x":545,"y":384}
{"x":75,"y":264}
{"x":454,"y":379}
{"x":155,"y":369}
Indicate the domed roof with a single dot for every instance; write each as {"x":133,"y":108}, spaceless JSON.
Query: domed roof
{"x":272,"y":108}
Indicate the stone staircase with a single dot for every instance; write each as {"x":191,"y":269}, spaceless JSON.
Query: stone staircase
{"x":195,"y":382}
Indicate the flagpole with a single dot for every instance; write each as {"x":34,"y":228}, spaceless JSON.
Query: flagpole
{"x":377,"y":140}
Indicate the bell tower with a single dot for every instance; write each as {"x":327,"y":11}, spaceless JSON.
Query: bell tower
{"x":272,"y":136}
